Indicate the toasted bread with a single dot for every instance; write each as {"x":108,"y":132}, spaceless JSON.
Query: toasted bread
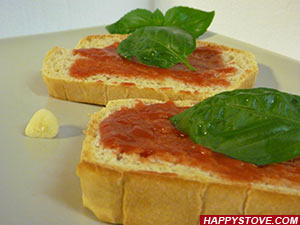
{"x":102,"y":87}
{"x":134,"y":188}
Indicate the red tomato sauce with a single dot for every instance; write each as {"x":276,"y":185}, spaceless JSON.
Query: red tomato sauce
{"x":146,"y":130}
{"x":208,"y":61}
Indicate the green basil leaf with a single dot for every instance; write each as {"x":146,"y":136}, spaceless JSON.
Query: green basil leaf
{"x":158,"y":18}
{"x":260,"y":126}
{"x":159,"y":46}
{"x":136,"y":19}
{"x":192,"y":20}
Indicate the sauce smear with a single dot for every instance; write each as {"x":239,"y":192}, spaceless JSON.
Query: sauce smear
{"x":146,"y":130}
{"x":208,"y":61}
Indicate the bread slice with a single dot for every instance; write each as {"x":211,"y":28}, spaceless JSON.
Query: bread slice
{"x":129,"y":188}
{"x":100,"y":88}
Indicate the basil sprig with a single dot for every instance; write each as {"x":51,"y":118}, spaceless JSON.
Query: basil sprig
{"x":260,"y":126}
{"x":191,"y":22}
{"x":194,"y":21}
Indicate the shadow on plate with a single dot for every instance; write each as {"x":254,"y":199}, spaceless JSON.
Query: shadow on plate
{"x":67,"y":131}
{"x":37,"y":85}
{"x":266,"y":77}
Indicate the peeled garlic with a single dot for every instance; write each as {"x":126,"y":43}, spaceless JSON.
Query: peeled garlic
{"x":43,"y":124}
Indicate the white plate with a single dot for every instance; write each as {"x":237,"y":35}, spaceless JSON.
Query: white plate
{"x":38,"y":180}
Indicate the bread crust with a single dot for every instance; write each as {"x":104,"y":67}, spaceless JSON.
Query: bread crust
{"x":102,"y":191}
{"x":99,"y":92}
{"x":132,"y":196}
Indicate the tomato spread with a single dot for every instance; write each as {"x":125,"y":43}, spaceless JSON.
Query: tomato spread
{"x":208,"y":62}
{"x":146,"y":130}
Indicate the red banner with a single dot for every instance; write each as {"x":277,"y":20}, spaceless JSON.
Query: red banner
{"x":249,"y":220}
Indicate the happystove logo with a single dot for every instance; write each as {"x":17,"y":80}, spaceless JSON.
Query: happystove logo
{"x":249,"y":220}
